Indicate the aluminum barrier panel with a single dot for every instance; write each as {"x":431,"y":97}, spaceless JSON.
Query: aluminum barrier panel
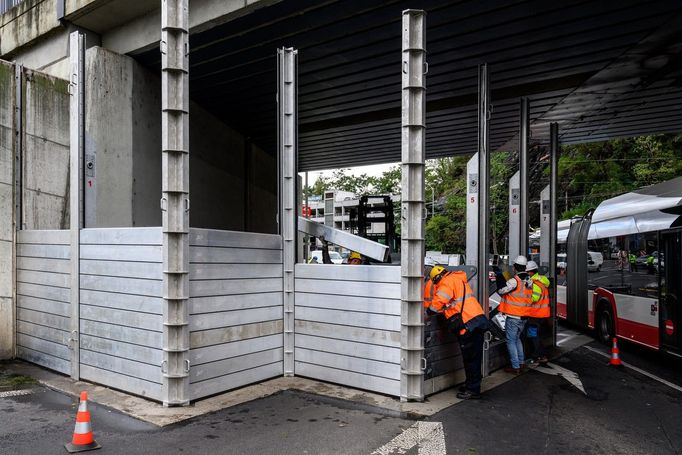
{"x":43,"y":298}
{"x":236,"y":310}
{"x":121,"y":309}
{"x":347,"y":322}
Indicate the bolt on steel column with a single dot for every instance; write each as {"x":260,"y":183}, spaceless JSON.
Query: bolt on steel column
{"x":175,"y":201}
{"x":287,"y":121}
{"x":412,"y":243}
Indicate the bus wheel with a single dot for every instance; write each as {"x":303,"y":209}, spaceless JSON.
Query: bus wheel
{"x":605,"y":331}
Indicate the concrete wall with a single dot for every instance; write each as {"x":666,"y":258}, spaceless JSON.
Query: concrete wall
{"x":6,"y":209}
{"x":45,"y":152}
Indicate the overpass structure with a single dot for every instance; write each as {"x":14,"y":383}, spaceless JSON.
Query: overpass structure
{"x":221,"y":103}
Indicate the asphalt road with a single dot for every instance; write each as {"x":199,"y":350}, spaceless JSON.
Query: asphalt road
{"x":624,"y":412}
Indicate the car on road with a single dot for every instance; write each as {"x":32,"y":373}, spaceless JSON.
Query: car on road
{"x":316,"y":256}
{"x":594,"y":261}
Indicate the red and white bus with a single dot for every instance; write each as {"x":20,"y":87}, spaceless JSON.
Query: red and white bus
{"x":635,"y":294}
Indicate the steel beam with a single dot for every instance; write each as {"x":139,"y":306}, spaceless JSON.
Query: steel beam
{"x":287,"y":138}
{"x":414,"y":69}
{"x":174,"y":48}
{"x":523,"y":179}
{"x":553,"y":181}
{"x":77,"y":150}
{"x":544,"y":230}
{"x":472,"y":220}
{"x":483,"y":199}
{"x":345,"y":239}
{"x":514,"y":217}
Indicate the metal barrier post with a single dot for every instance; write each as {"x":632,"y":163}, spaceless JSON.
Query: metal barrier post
{"x":414,"y":70}
{"x":483,"y":197}
{"x":523,"y":177}
{"x":553,"y":181}
{"x":77,"y":150}
{"x":175,"y":200}
{"x":287,"y":121}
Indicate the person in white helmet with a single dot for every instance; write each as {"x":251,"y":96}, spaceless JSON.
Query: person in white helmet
{"x":516,"y":304}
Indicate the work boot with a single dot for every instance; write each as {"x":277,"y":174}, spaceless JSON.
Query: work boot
{"x":542,"y":360}
{"x":469,"y":395}
{"x":462,"y":388}
{"x":514,"y":371}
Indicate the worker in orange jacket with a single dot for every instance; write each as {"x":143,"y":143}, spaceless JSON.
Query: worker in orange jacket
{"x":516,"y":303}
{"x":451,"y":296}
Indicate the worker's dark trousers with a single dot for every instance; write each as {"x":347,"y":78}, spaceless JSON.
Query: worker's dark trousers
{"x":471,"y":345}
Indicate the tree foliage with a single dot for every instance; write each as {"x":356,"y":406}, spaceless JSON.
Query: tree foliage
{"x":588,"y":174}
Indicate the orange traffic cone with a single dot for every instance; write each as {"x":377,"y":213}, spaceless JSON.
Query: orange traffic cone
{"x":82,"y":434}
{"x":615,"y":357}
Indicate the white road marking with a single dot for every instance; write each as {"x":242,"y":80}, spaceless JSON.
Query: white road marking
{"x":639,"y":370}
{"x":14,"y":393}
{"x":428,"y":436}
{"x":556,"y":370}
{"x":568,"y":338}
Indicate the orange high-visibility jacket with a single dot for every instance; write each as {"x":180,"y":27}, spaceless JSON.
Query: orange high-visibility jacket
{"x":453,"y":291}
{"x":519,"y":301}
{"x":540,"y":307}
{"x":428,"y":294}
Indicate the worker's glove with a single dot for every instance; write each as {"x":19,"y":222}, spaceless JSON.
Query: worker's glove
{"x":430,"y":312}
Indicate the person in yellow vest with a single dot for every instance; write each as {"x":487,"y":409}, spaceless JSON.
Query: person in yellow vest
{"x":516,"y":303}
{"x":452,"y":296}
{"x":539,"y":314}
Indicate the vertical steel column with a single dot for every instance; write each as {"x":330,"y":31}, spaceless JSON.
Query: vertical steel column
{"x":287,"y":119}
{"x":544,"y":230}
{"x":413,"y":208}
{"x":77,"y":150}
{"x":523,"y":168}
{"x":553,"y":181}
{"x":472,"y":219}
{"x":483,"y":200}
{"x":175,"y":199}
{"x":514,"y":217}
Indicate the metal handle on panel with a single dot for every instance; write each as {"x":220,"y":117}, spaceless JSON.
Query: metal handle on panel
{"x":164,"y":370}
{"x":423,"y":363}
{"x":426,"y":68}
{"x":187,"y":366}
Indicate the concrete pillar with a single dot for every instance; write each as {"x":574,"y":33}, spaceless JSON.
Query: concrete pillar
{"x":514,"y":217}
{"x":472,"y":220}
{"x":413,"y":209}
{"x":553,"y":220}
{"x":523,"y":176}
{"x":544,"y":229}
{"x":9,"y":121}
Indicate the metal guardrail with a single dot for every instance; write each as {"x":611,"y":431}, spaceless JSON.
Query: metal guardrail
{"x":6,"y":5}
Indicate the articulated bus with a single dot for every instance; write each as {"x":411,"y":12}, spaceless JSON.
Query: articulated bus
{"x":635,"y":292}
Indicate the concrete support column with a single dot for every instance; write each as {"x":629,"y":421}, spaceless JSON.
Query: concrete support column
{"x":514,"y":217}
{"x":472,"y":220}
{"x":175,"y":200}
{"x":287,"y":121}
{"x":553,"y":182}
{"x":77,"y":148}
{"x":523,"y":178}
{"x":413,"y":209}
{"x":544,"y":230}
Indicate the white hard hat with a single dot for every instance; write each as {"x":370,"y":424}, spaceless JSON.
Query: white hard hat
{"x":531,"y":266}
{"x":521,"y":260}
